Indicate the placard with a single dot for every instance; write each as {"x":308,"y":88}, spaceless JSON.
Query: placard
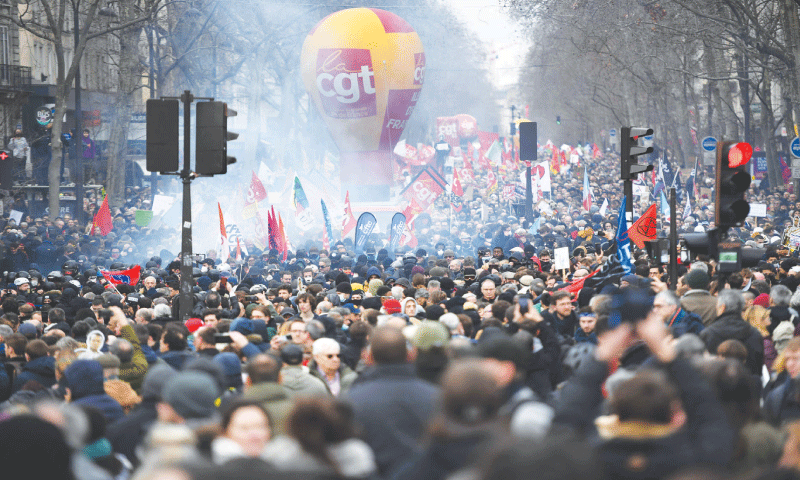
{"x":561,"y":258}
{"x":758,"y":209}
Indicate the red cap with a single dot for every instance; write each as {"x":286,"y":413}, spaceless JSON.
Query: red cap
{"x":193,"y":324}
{"x":392,"y":306}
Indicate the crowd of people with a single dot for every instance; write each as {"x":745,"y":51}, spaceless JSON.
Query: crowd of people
{"x":467,"y":356}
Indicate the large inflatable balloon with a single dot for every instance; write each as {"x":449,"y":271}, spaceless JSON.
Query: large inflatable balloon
{"x":364,"y":68}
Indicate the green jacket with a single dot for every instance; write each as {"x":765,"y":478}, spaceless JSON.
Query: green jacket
{"x":275,"y":400}
{"x":134,"y":371}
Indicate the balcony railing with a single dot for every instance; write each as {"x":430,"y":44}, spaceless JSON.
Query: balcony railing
{"x":15,"y":77}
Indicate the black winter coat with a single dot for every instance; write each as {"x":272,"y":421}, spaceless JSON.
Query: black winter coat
{"x":731,"y":326}
{"x":706,"y":437}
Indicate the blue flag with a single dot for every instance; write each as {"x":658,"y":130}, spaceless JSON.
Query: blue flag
{"x":364,"y":227}
{"x":623,"y":243}
{"x":396,"y":231}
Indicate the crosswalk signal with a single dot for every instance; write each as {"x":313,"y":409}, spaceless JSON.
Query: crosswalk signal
{"x":732,"y":182}
{"x":630,"y":149}
{"x":162,"y":135}
{"x":212,"y":138}
{"x":558,"y":119}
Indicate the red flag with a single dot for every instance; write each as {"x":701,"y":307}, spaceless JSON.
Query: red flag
{"x":644,"y":228}
{"x":326,"y":242}
{"x":238,"y":251}
{"x":272,"y":223}
{"x":102,"y":218}
{"x":256,"y":192}
{"x":118,"y":277}
{"x":349,"y":222}
{"x":577,"y":285}
{"x":457,"y":190}
{"x":284,"y":242}
{"x":223,"y":252}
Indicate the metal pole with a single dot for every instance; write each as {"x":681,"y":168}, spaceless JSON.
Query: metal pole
{"x":78,"y":135}
{"x":628,"y":191}
{"x":152,"y":86}
{"x":186,"y":295}
{"x":673,"y":240}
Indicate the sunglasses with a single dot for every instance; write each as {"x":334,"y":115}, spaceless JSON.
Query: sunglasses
{"x":332,"y":355}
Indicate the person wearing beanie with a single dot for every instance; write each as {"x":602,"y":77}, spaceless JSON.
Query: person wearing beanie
{"x":84,"y":382}
{"x":232,"y":368}
{"x":128,"y":432}
{"x":188,"y":396}
{"x":698,"y":300}
{"x":391,"y":307}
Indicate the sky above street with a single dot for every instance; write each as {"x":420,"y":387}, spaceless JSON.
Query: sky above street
{"x":502,"y":37}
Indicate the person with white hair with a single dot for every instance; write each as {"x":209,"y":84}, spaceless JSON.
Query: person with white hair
{"x":451,"y":321}
{"x":327,"y":366}
{"x":730,"y":325}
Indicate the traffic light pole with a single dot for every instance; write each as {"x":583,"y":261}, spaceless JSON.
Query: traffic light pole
{"x":187,"y":263}
{"x":627,"y":186}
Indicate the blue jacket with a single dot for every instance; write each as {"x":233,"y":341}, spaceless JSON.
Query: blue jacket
{"x":42,"y":370}
{"x":176,"y":360}
{"x":111,"y":409}
{"x":394,"y":407}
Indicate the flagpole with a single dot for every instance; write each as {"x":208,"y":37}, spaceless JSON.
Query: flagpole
{"x":673,"y":241}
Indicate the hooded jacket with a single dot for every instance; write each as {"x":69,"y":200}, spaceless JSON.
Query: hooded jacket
{"x":731,"y":326}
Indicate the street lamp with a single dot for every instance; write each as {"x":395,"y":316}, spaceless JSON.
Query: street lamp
{"x":78,"y":136}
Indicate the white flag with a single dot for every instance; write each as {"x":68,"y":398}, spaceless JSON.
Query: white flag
{"x":604,"y":207}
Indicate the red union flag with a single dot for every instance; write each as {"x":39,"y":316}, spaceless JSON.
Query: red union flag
{"x":349,"y":221}
{"x":423,"y":190}
{"x":346,"y":82}
{"x":256,"y":192}
{"x":447,"y":127}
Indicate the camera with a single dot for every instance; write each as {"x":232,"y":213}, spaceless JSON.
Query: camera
{"x":132,"y":299}
{"x":250,"y":298}
{"x":222,"y":338}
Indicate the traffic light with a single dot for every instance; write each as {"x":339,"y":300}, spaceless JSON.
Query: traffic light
{"x":212,"y":138}
{"x":733,"y":180}
{"x":162,"y":135}
{"x":6,"y":170}
{"x":630,"y":149}
{"x":558,"y":119}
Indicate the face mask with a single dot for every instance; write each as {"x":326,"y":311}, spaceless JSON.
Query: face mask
{"x":342,"y":297}
{"x":439,"y":252}
{"x":204,"y":269}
